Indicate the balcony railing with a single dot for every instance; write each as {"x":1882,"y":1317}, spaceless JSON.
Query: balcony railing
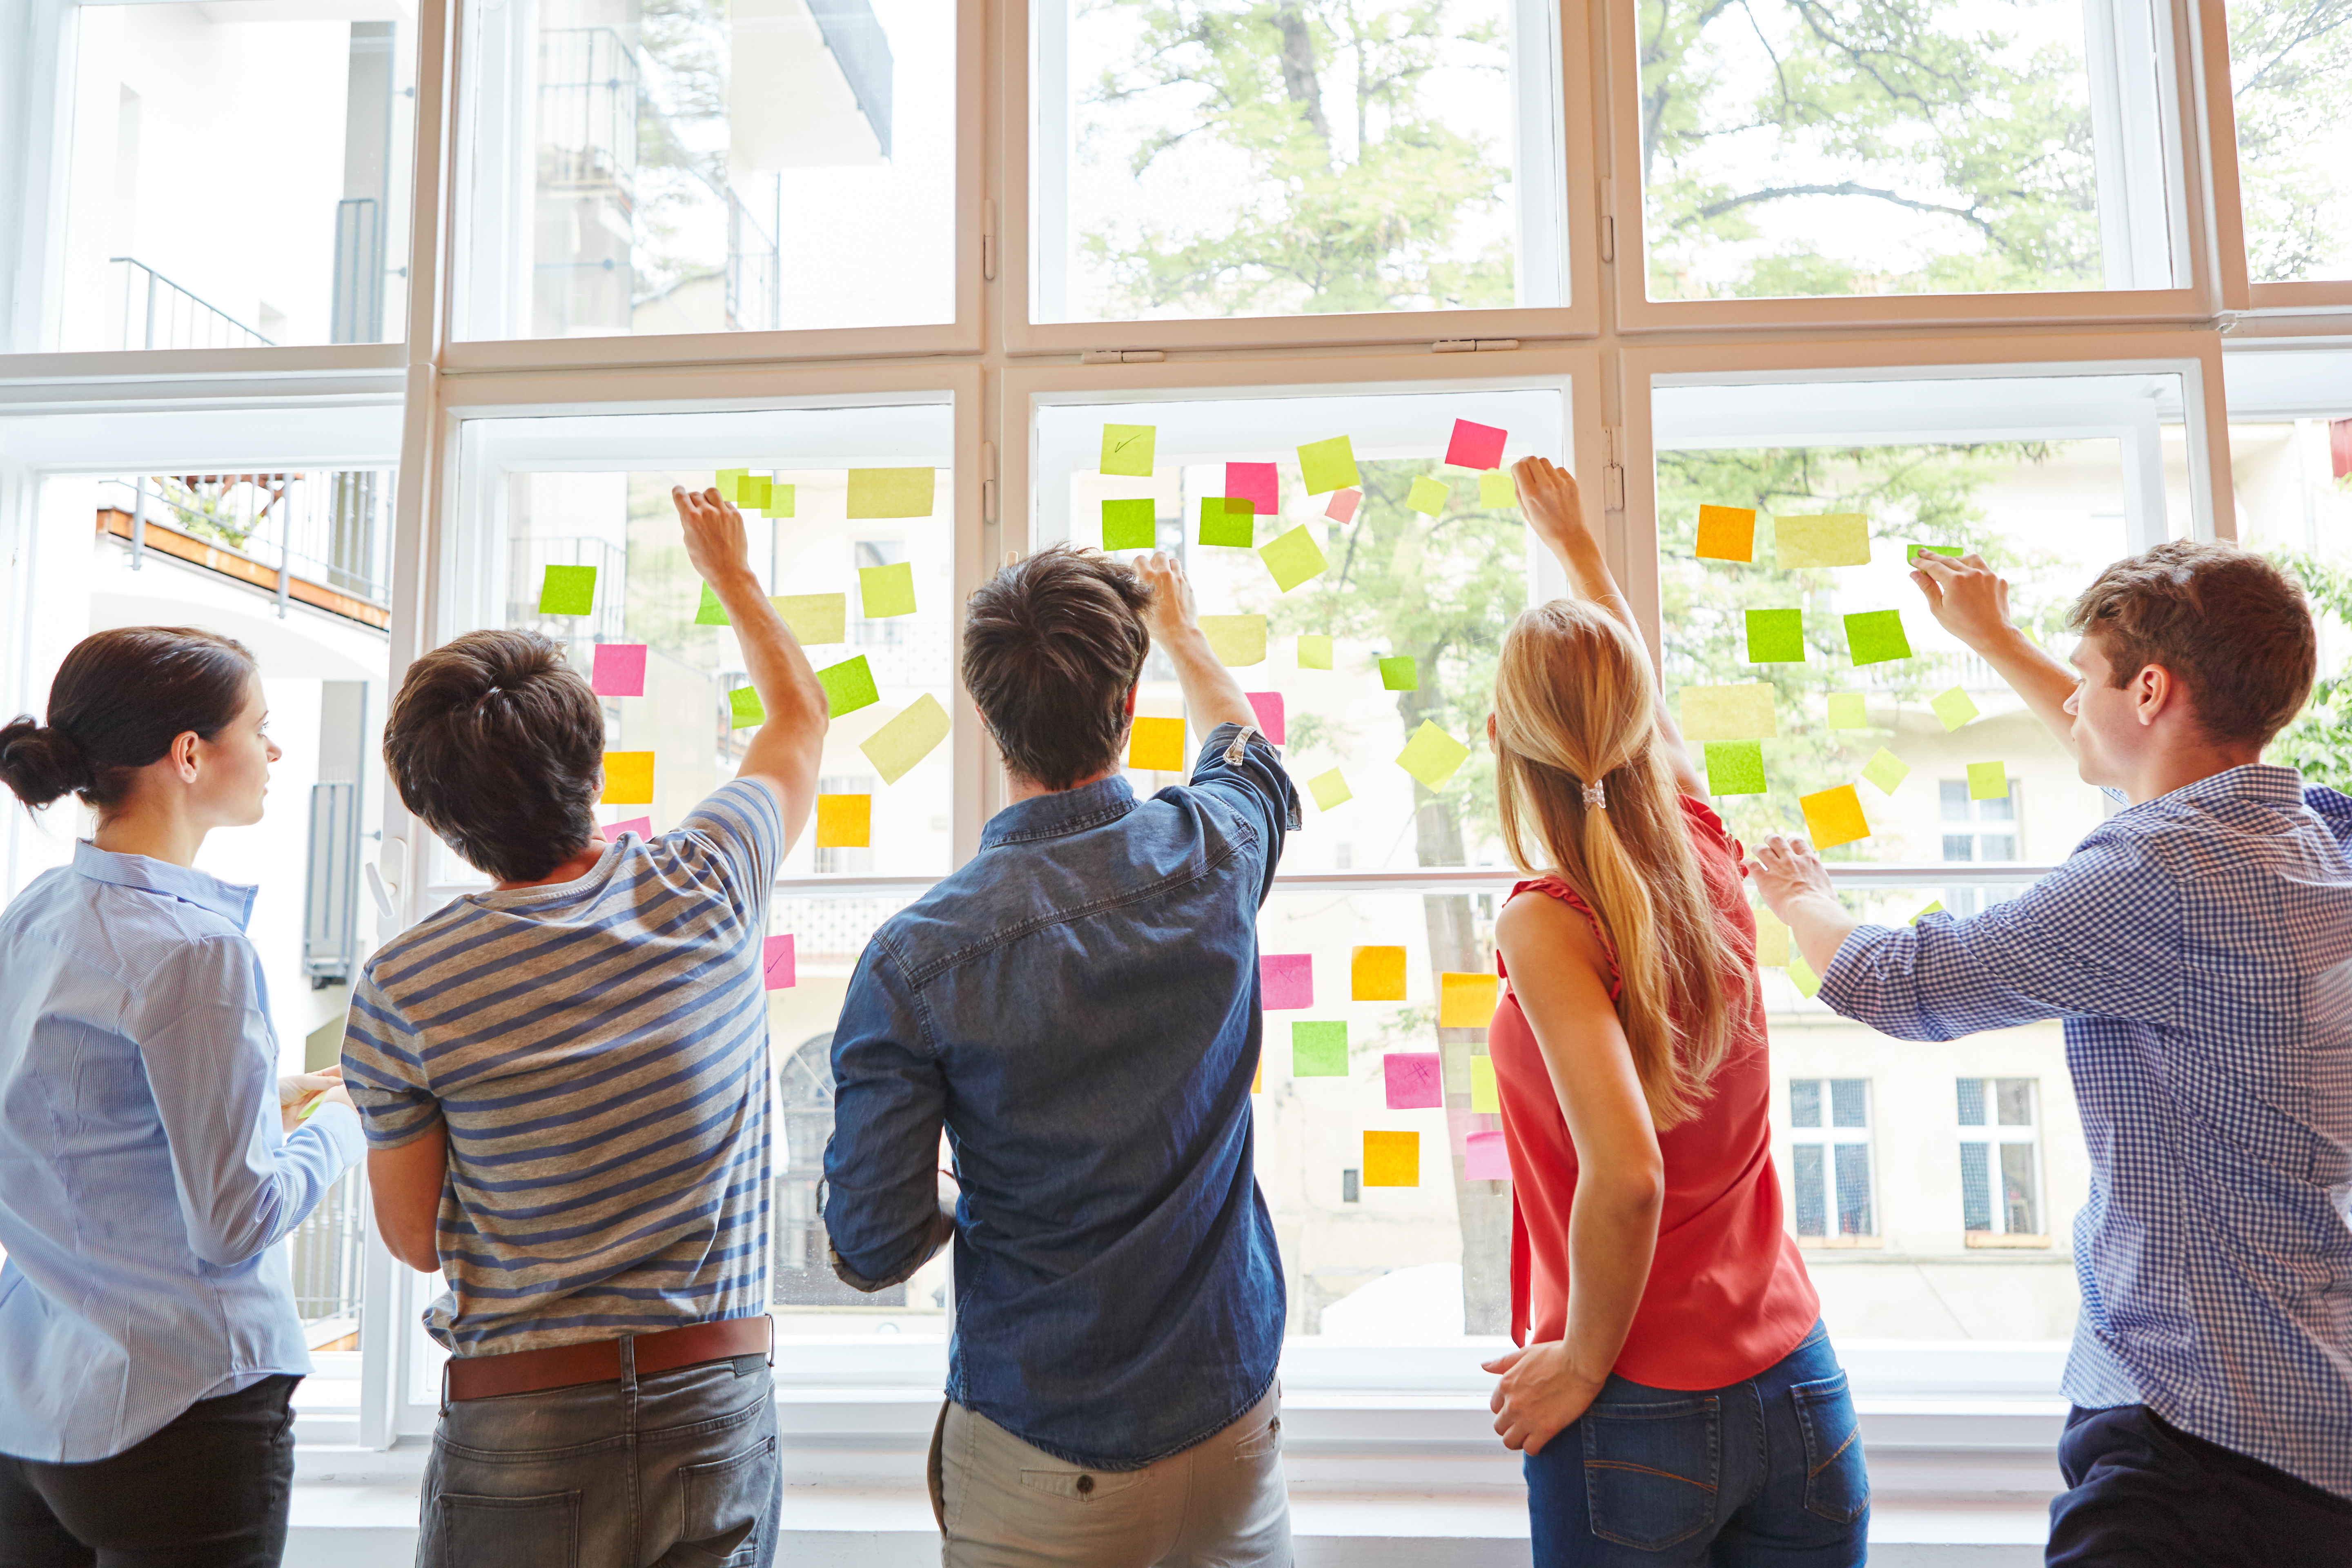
{"x":157,"y":313}
{"x":321,"y":537}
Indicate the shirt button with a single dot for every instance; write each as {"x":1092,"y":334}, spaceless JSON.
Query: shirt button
{"x":1085,"y":1484}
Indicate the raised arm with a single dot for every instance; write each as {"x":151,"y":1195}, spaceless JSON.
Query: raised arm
{"x":1211,"y":696}
{"x":1971,"y":601}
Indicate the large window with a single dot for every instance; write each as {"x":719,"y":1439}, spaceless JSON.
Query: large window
{"x":2290,"y":88}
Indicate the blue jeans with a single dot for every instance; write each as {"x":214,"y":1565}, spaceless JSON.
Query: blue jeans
{"x":675,"y":1470}
{"x":1766,"y":1472}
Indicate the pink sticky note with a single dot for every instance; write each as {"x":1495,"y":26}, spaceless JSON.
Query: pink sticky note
{"x":776,"y":963}
{"x":1343,"y":506}
{"x":1255,"y":481}
{"x":619,"y":670}
{"x":1267,"y":705}
{"x":1485,"y":1159}
{"x":643,"y":827}
{"x":1286,"y":979}
{"x":1413,"y":1081}
{"x":1475,"y":445}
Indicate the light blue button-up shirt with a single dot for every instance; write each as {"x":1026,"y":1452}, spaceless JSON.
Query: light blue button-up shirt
{"x":143,"y":1176}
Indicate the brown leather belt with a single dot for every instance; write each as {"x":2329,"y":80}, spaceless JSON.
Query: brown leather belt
{"x":599,"y":1361}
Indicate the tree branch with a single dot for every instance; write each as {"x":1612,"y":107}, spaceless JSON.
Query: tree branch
{"x":1847,"y":188}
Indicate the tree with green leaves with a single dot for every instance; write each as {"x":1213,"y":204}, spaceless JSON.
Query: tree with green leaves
{"x":2291,"y":83}
{"x":2319,"y":743}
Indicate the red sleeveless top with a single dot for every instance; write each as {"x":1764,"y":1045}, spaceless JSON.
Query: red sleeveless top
{"x":1727,"y":1294}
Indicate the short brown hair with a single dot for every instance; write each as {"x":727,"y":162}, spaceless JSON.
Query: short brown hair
{"x":499,"y":746}
{"x":2235,"y":629}
{"x":1051,"y":645}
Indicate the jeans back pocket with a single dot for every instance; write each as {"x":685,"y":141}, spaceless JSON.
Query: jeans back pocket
{"x":1651,"y":1469}
{"x":474,"y":1531}
{"x":724,"y":1502}
{"x":1837,"y":1479}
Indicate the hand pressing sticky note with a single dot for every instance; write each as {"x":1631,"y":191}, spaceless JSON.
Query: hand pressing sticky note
{"x":1832,"y":539}
{"x":1343,"y":505}
{"x":1285,"y":981}
{"x":1988,"y":781}
{"x":1913,"y":552}
{"x":845,"y":821}
{"x":1771,"y":940}
{"x":1129,"y":524}
{"x":887,"y":591}
{"x":1846,"y":711}
{"x":1776,"y":637}
{"x":1466,"y":1001}
{"x":1329,"y":465}
{"x":1128,"y":448}
{"x":1953,"y":707}
{"x":628,"y":779}
{"x":1412,"y":1080}
{"x":1887,"y":770}
{"x":1329,"y":790}
{"x":1267,"y":706}
{"x":1399,"y":673}
{"x":711,"y":612}
{"x":1726,"y":534}
{"x":1294,"y":559}
{"x":568,"y":591}
{"x":1376,"y":975}
{"x":1258,"y":483}
{"x":743,"y":707}
{"x":1734,"y":767}
{"x":778,"y":969}
{"x":1802,"y":975}
{"x":1431,"y":755}
{"x":907,"y":740}
{"x":1156,"y":746}
{"x":1834,"y":817}
{"x":1314,"y":652}
{"x":1238,"y":641}
{"x":892,"y":492}
{"x":1429,"y":494}
{"x":1728,"y":712}
{"x":1497,"y":491}
{"x":1319,"y":1050}
{"x":848,"y":686}
{"x":1392,"y":1160}
{"x":618,"y":670}
{"x":1228,"y":521}
{"x":815,"y":619}
{"x":1484,"y":1156}
{"x":1485,"y":1100}
{"x":1475,"y":445}
{"x":1876,"y":637}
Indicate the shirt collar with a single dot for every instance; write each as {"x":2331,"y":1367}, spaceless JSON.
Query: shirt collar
{"x":231,"y":901}
{"x":2256,"y":781}
{"x":1062,"y":812}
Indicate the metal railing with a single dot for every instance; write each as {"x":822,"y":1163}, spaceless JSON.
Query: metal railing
{"x":325,"y":1252}
{"x":158,"y":313}
{"x":330,"y":527}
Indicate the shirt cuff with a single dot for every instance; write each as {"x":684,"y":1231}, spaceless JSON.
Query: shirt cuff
{"x":339,"y":1126}
{"x":943,"y":1231}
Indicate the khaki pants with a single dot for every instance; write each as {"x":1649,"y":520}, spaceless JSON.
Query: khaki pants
{"x":1221,"y":1504}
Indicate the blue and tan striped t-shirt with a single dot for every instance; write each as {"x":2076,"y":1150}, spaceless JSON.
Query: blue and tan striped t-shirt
{"x":598,"y":1050}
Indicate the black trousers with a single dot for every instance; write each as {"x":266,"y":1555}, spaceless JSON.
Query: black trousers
{"x":2142,"y":1493}
{"x":209,"y":1490}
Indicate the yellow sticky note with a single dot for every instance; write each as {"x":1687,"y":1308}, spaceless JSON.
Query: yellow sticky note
{"x":907,"y":739}
{"x":1377,"y":975}
{"x":1392,"y":1160}
{"x":725,"y":481}
{"x":1726,"y":534}
{"x":1257,"y":1084}
{"x":815,"y":619}
{"x":1329,"y":790}
{"x":782,"y":501}
{"x":1887,"y":770}
{"x":1156,"y":745}
{"x":1314,"y":652}
{"x":1728,"y":712}
{"x":1329,"y":465}
{"x":1128,"y":449}
{"x":1830,"y":539}
{"x":1238,"y":640}
{"x":1467,"y":1000}
{"x":1293,"y":558}
{"x":891,"y":492}
{"x":886,"y":591}
{"x":1429,"y":494}
{"x":845,"y":821}
{"x":1485,"y":1099}
{"x":1988,"y":781}
{"x":628,"y":779}
{"x":1802,"y":975}
{"x":1953,"y":707}
{"x":1771,"y":938}
{"x":1834,"y":817}
{"x":1497,"y":491}
{"x":1847,"y":712}
{"x":1935,"y":907}
{"x":1431,"y":755}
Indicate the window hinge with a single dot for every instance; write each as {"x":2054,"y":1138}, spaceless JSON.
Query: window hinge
{"x":1121,"y":356}
{"x":1612,"y":472}
{"x":1474,"y":345}
{"x":1608,"y":220}
{"x":988,"y":481}
{"x":988,"y":241}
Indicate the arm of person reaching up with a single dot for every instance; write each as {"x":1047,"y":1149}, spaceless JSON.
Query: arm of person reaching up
{"x":1557,"y":968}
{"x":1211,"y":696}
{"x":1971,"y":601}
{"x":1554,"y":506}
{"x":883,"y":1215}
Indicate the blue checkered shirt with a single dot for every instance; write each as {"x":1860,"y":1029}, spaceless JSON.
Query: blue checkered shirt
{"x":2198,"y":948}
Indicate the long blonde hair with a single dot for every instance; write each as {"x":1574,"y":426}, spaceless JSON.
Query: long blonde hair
{"x":1575,"y":705}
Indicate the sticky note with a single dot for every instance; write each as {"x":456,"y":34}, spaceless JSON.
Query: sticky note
{"x":1392,"y":1160}
{"x":815,"y":619}
{"x":1802,"y":975}
{"x":1728,"y":712}
{"x":1343,"y":505}
{"x":1129,"y":524}
{"x":1484,"y":1157}
{"x":568,"y":591}
{"x":1497,"y":491}
{"x":1846,"y":711}
{"x":1127,"y":449}
{"x":1412,"y":1080}
{"x":618,"y":670}
{"x":848,"y":686}
{"x":1285,"y":979}
{"x":1832,"y":539}
{"x":1913,"y":552}
{"x":776,"y":963}
{"x":1329,"y":465}
{"x":782,"y":501}
{"x":1156,"y":745}
{"x":743,"y":704}
{"x":1399,"y":673}
{"x":1771,"y":938}
{"x":1314,"y":652}
{"x":1776,"y":637}
{"x":1485,"y":1100}
{"x":1228,"y":521}
{"x":643,"y":827}
{"x":887,"y":591}
{"x":1988,"y":781}
{"x":907,"y":740}
{"x":1887,"y":770}
{"x":628,"y":779}
{"x":1934,"y":909}
{"x":1256,"y":483}
{"x":1319,"y":1050}
{"x":845,"y":821}
{"x":1953,"y":707}
{"x":711,"y":612}
{"x":1475,"y":445}
{"x":1294,"y":559}
{"x":1429,"y":494}
{"x":726,"y":479}
{"x":1834,"y":817}
{"x":1734,"y":767}
{"x":1466,"y":1001}
{"x":1726,"y":534}
{"x":1874,"y":636}
{"x":1329,"y":790}
{"x":1376,"y":975}
{"x":891,"y":492}
{"x":1267,"y":706}
{"x":1257,"y":1081}
{"x":1431,"y":755}
{"x":1238,"y":641}
{"x":751,"y":492}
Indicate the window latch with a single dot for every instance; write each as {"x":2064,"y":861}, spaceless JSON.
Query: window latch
{"x":1121,"y":356}
{"x":1474,"y":345}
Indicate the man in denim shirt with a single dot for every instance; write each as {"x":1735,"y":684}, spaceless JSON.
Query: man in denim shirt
{"x":1078,"y":1007}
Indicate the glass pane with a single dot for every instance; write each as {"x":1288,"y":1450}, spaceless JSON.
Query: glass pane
{"x":1976,"y":1187}
{"x":1949,"y":146}
{"x":1223,"y":159}
{"x":1805,"y":1102}
{"x":2296,"y":506}
{"x":2020,"y":1213}
{"x":2016,"y":1098}
{"x":2291,"y":90}
{"x":236,"y":177}
{"x":1812,"y":1195}
{"x":693,"y":166}
{"x":1972,"y":1102}
{"x":1848,"y":1102}
{"x":1853,"y":1190}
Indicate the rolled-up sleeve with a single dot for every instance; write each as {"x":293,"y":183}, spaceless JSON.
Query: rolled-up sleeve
{"x":1241,"y":767}
{"x":881,"y":1166}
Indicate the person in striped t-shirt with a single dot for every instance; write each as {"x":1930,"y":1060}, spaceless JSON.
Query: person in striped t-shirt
{"x":565,"y":1087}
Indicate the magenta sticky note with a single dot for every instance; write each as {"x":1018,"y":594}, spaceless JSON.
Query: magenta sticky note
{"x":776,"y":963}
{"x":1475,"y":445}
{"x":1286,"y":979}
{"x":1257,"y":481}
{"x":1413,"y":1081}
{"x":1485,"y":1159}
{"x":1343,"y":505}
{"x":643,"y":827}
{"x":619,"y":670}
{"x":1267,"y":705}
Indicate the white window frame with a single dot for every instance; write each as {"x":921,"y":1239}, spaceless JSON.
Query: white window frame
{"x":1992,"y":1136}
{"x":2319,"y":306}
{"x":1826,"y":1137}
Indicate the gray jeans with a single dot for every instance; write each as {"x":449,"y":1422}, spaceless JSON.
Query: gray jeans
{"x":678,"y":1470}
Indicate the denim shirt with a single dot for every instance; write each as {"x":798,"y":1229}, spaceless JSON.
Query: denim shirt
{"x":1078,"y":1007}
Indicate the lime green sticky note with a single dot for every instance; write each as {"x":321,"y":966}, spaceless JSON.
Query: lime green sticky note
{"x":782,"y":500}
{"x":892,"y":492}
{"x":727,"y":480}
{"x":1912,"y":552}
{"x":1887,"y":771}
{"x":1329,"y":465}
{"x":1429,"y":494}
{"x":711,"y":612}
{"x":1399,"y":673}
{"x":907,"y":739}
{"x":568,"y":591}
{"x":744,"y":703}
{"x":1728,"y":712}
{"x":1776,"y":637}
{"x":1497,"y":491}
{"x":1832,"y":539}
{"x":1129,"y":524}
{"x":1294,"y":558}
{"x":1236,"y":640}
{"x":1229,"y":520}
{"x":848,"y":686}
{"x":1329,"y":790}
{"x":1876,"y":637}
{"x":1314,"y":651}
{"x":1988,"y":781}
{"x":1319,"y":1050}
{"x":1846,"y":711}
{"x":1935,"y":908}
{"x":1431,"y":755}
{"x":1128,"y":448}
{"x":815,"y":619}
{"x":751,"y":492}
{"x":1734,"y":767}
{"x":1802,"y":975}
{"x":1953,"y":707}
{"x":887,"y":591}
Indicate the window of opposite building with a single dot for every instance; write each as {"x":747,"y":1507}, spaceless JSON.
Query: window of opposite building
{"x":1831,"y":1180}
{"x":2000,"y":1162}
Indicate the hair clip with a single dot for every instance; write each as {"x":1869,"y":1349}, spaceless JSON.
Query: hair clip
{"x":1594,"y":795}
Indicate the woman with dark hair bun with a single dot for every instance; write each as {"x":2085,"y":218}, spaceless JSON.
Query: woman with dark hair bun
{"x":151,"y":1157}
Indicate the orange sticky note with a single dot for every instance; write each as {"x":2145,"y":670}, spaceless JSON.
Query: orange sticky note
{"x":1466,"y":1001}
{"x":845,"y":821}
{"x":1156,"y":745}
{"x":1257,"y":1084}
{"x":628,"y":779}
{"x":1834,"y":817}
{"x":1377,"y":975}
{"x":1726,"y":534}
{"x":1392,"y":1159}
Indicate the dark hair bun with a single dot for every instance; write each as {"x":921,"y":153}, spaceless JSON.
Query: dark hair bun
{"x":38,"y":764}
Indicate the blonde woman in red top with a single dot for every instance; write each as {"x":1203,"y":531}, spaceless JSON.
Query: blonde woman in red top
{"x":1678,"y":1399}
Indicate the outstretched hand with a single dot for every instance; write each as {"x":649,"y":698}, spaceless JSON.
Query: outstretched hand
{"x":1553,"y":505}
{"x":1968,"y":598}
{"x":715,"y":542}
{"x":1172,"y":609}
{"x":1787,"y":869}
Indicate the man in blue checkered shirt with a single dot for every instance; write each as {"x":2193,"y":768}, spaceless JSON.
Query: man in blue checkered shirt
{"x":2197,"y":945}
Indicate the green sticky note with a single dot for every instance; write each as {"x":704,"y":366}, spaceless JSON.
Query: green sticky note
{"x":1734,"y":767}
{"x":744,"y":703}
{"x":887,"y":591}
{"x":1800,"y":973}
{"x":1876,"y":637}
{"x":814,"y":617}
{"x":1236,"y":640}
{"x":1329,"y":790}
{"x":1431,"y":755}
{"x":568,"y":591}
{"x":1887,"y":771}
{"x":1935,"y":908}
{"x":1832,"y":539}
{"x":1953,"y":707}
{"x":727,"y":480}
{"x":907,"y":739}
{"x":1846,"y":711}
{"x":1399,"y":673}
{"x":891,"y":492}
{"x":1913,"y":552}
{"x":1294,"y":558}
{"x":1314,"y":651}
{"x":751,"y":492}
{"x":1127,"y":449}
{"x":782,"y":500}
{"x":1319,"y":1050}
{"x":1129,"y":524}
{"x":711,"y":612}
{"x":1429,"y":494}
{"x":1776,"y":637}
{"x":1229,"y":520}
{"x":1497,"y":491}
{"x":1728,"y":712}
{"x":1329,"y":465}
{"x":1988,"y":781}
{"x":848,"y":686}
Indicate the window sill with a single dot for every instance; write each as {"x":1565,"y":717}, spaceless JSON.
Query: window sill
{"x":1840,"y":1242}
{"x":1987,"y":1239}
